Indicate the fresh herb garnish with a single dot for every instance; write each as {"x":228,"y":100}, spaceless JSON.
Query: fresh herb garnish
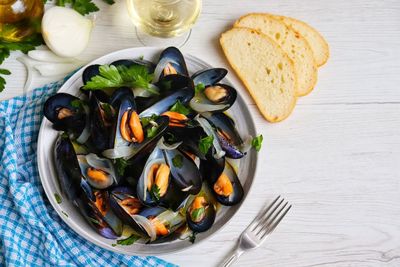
{"x":58,"y":198}
{"x":180,"y":108}
{"x":77,"y":103}
{"x":192,"y":237}
{"x":177,"y":161}
{"x":65,"y":214}
{"x":108,"y":109}
{"x":197,"y":214}
{"x":82,"y":6}
{"x":113,"y":77}
{"x":127,"y":241}
{"x":199,"y":88}
{"x":256,"y":142}
{"x":205,"y":144}
{"x":146,"y":120}
{"x":120,"y":165}
{"x":155,"y":192}
{"x":152,"y":131}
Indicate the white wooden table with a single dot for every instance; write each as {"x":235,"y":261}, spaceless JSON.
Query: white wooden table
{"x":337,"y":158}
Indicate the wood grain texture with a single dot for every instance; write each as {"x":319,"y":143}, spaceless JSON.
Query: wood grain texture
{"x":337,"y":158}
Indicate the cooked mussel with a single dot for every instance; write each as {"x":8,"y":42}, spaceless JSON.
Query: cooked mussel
{"x":99,"y":172}
{"x":226,"y":187}
{"x":228,"y":137}
{"x":185,"y":173}
{"x":171,"y":61}
{"x":67,"y":113}
{"x":99,"y":214}
{"x":200,"y":214}
{"x":156,"y":186}
{"x":91,"y":203}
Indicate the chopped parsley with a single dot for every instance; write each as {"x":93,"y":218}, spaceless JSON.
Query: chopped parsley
{"x":197,"y":214}
{"x":192,"y":237}
{"x":177,"y":161}
{"x":127,"y":241}
{"x":199,"y":88}
{"x":155,"y":192}
{"x":256,"y":142}
{"x":58,"y":198}
{"x":180,"y":108}
{"x":120,"y":165}
{"x":205,"y":144}
{"x":152,"y":131}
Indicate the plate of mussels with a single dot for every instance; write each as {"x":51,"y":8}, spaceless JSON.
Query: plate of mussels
{"x":146,"y":151}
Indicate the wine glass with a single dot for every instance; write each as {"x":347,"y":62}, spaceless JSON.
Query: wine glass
{"x":164,"y":22}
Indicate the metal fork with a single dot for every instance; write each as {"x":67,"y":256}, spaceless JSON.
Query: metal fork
{"x":256,"y":233}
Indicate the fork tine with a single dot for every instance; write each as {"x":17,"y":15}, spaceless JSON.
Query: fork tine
{"x":267,"y":215}
{"x":275,"y":223}
{"x":253,"y":224}
{"x":265,"y":223}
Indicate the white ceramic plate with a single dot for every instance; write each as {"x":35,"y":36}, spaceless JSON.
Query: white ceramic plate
{"x":46,"y":141}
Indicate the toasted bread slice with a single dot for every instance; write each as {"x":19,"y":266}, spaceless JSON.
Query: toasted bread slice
{"x":318,"y":44}
{"x":264,"y":68}
{"x":293,"y":44}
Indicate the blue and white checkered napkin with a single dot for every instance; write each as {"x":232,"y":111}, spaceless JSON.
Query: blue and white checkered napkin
{"x":31,"y":232}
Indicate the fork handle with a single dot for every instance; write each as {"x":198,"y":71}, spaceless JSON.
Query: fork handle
{"x":235,"y":254}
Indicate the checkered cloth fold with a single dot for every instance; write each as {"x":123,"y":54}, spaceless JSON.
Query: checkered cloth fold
{"x":31,"y":232}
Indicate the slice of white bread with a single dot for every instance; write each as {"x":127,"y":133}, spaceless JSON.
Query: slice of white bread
{"x":317,"y":43}
{"x":291,"y":42}
{"x":264,"y":68}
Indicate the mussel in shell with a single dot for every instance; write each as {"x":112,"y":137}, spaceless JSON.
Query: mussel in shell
{"x":67,"y":113}
{"x":209,"y":76}
{"x":200,"y":214}
{"x":171,"y":62}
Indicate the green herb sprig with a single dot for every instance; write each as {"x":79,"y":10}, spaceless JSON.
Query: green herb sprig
{"x":257,"y":142}
{"x":205,"y":144}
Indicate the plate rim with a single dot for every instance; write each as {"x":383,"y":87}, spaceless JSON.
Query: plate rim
{"x":80,"y":231}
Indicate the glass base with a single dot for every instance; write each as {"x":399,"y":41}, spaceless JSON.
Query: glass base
{"x":149,"y":40}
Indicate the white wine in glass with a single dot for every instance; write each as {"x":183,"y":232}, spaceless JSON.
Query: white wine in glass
{"x":163,"y":18}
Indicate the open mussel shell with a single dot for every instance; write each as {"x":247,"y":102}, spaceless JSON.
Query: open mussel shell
{"x":126,"y":205}
{"x":185,"y":173}
{"x":99,"y":172}
{"x":170,"y":195}
{"x":102,"y":116}
{"x":171,"y":61}
{"x":227,"y":134}
{"x":67,"y":167}
{"x":163,"y":222}
{"x":177,"y":88}
{"x":100,"y":215}
{"x":200,"y":214}
{"x":226,"y":188}
{"x":66,"y":114}
{"x":209,"y":76}
{"x":214,"y":98}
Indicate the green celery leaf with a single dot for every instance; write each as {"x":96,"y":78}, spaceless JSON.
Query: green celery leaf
{"x":120,"y":165}
{"x":84,"y":6}
{"x":152,"y":131}
{"x":199,"y":88}
{"x":5,"y":72}
{"x":155,"y":192}
{"x":197,"y":214}
{"x":58,"y":198}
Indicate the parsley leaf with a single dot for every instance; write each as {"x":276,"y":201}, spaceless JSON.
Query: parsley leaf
{"x":82,"y":6}
{"x":256,"y":142}
{"x":152,"y":131}
{"x":205,"y":144}
{"x":177,"y":161}
{"x":199,"y":88}
{"x":58,"y":198}
{"x":76,"y":103}
{"x":120,"y":165}
{"x":180,"y":108}
{"x":128,"y":241}
{"x":94,"y":221}
{"x":65,"y":214}
{"x":197,"y":214}
{"x":146,"y":120}
{"x":113,"y":77}
{"x":155,"y":192}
